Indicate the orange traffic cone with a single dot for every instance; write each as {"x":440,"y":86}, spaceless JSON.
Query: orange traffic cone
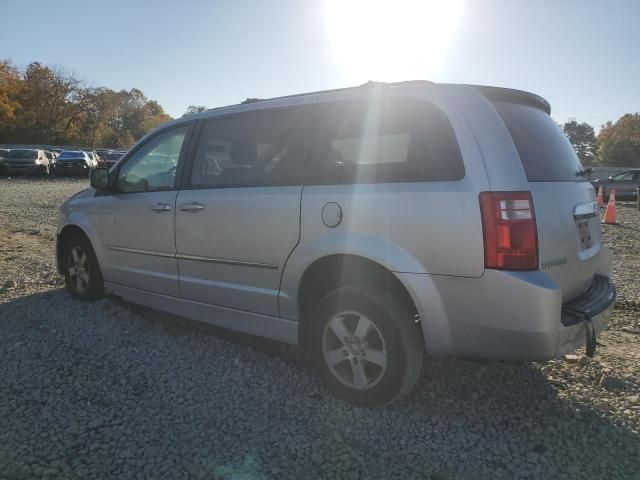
{"x":610,"y":214}
{"x":599,"y":197}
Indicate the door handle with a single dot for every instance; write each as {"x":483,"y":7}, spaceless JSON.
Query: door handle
{"x":160,"y":207}
{"x":191,"y":207}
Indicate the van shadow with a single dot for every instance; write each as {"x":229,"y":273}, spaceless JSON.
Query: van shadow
{"x":465,"y":420}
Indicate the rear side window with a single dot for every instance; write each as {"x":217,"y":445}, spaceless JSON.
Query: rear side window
{"x":383,"y":140}
{"x":545,"y":151}
{"x":254,"y":149}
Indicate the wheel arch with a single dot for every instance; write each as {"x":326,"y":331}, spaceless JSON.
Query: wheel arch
{"x":327,"y":273}
{"x":67,"y":232}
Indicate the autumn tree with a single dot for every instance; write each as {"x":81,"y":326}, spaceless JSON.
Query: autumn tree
{"x":619,"y":142}
{"x":48,"y":105}
{"x":583,"y":139}
{"x":10,"y":86}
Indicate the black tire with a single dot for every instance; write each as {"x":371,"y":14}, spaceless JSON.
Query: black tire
{"x":91,"y":285}
{"x":395,"y":332}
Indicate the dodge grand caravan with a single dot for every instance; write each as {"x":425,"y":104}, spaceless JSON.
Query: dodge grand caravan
{"x":373,"y":226}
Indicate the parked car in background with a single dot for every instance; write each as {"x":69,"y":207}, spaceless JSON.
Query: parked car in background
{"x":25,"y":161}
{"x":75,"y":162}
{"x":370,"y":225}
{"x":3,"y":152}
{"x":93,"y":155}
{"x":624,"y":183}
{"x":111,"y":157}
{"x":52,"y":159}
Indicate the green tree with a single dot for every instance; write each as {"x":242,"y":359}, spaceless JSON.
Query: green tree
{"x":193,"y":109}
{"x":619,"y":142}
{"x":583,"y":139}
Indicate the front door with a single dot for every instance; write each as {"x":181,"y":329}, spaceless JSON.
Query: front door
{"x":138,"y":219}
{"x":239,"y":219}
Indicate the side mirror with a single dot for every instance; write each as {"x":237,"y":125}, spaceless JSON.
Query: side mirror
{"x":99,"y":178}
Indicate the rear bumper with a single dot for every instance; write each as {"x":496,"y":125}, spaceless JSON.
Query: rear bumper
{"x":34,"y":169}
{"x":505,"y":315}
{"x":62,"y":169}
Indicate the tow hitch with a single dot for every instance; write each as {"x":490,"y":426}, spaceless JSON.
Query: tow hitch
{"x":591,"y":336}
{"x":591,"y":343}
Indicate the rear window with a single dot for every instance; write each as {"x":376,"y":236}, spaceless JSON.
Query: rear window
{"x":383,"y":140}
{"x":65,"y":155}
{"x":545,"y":151}
{"x":25,"y":154}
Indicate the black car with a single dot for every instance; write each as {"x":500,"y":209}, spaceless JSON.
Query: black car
{"x":75,"y":162}
{"x":624,"y":183}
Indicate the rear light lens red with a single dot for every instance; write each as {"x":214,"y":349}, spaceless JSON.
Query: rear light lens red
{"x":510,"y":234}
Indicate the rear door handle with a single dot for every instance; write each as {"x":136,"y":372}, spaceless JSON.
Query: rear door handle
{"x":191,"y":207}
{"x":160,"y":207}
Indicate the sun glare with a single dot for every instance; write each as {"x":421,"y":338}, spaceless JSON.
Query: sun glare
{"x":390,"y":40}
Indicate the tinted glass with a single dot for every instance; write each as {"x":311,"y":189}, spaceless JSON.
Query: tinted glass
{"x":256,"y":149}
{"x":70,"y":154}
{"x":624,"y":177}
{"x":25,"y":154}
{"x":545,"y":152}
{"x":383,"y":140}
{"x":153,"y":166}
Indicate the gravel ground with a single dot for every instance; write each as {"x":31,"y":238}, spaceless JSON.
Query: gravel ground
{"x":109,"y":390}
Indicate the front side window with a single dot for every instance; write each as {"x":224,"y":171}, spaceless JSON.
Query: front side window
{"x":153,"y":166}
{"x":255,"y":149}
{"x":383,"y":140}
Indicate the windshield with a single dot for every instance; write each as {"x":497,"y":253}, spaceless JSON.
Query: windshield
{"x":31,"y":154}
{"x":545,"y":152}
{"x":66,"y":155}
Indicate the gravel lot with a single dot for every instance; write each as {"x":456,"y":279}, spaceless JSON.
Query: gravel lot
{"x":109,"y":390}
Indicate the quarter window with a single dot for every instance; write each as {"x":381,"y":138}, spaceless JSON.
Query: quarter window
{"x":153,"y":166}
{"x":257,"y":149}
{"x":383,"y":140}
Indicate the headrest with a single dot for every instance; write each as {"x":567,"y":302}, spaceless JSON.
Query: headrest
{"x":243,"y":153}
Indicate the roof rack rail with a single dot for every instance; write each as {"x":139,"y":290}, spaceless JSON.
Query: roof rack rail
{"x":369,"y":84}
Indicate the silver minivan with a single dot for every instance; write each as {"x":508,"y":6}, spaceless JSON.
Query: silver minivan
{"x":373,"y":226}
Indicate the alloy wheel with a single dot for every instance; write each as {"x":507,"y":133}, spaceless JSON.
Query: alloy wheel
{"x":79,"y":270}
{"x":354,"y":350}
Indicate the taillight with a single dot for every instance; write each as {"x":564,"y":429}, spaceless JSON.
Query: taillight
{"x":510,"y":234}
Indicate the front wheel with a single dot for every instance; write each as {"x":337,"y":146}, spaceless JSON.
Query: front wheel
{"x":365,"y":345}
{"x":82,"y":274}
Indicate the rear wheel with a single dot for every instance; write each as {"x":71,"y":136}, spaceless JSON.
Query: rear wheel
{"x":365,"y":345}
{"x":82,"y":274}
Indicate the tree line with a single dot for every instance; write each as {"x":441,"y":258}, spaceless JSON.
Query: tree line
{"x":617,"y":144}
{"x":47,"y":105}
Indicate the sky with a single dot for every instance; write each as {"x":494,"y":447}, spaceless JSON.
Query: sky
{"x":581,"y":55}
